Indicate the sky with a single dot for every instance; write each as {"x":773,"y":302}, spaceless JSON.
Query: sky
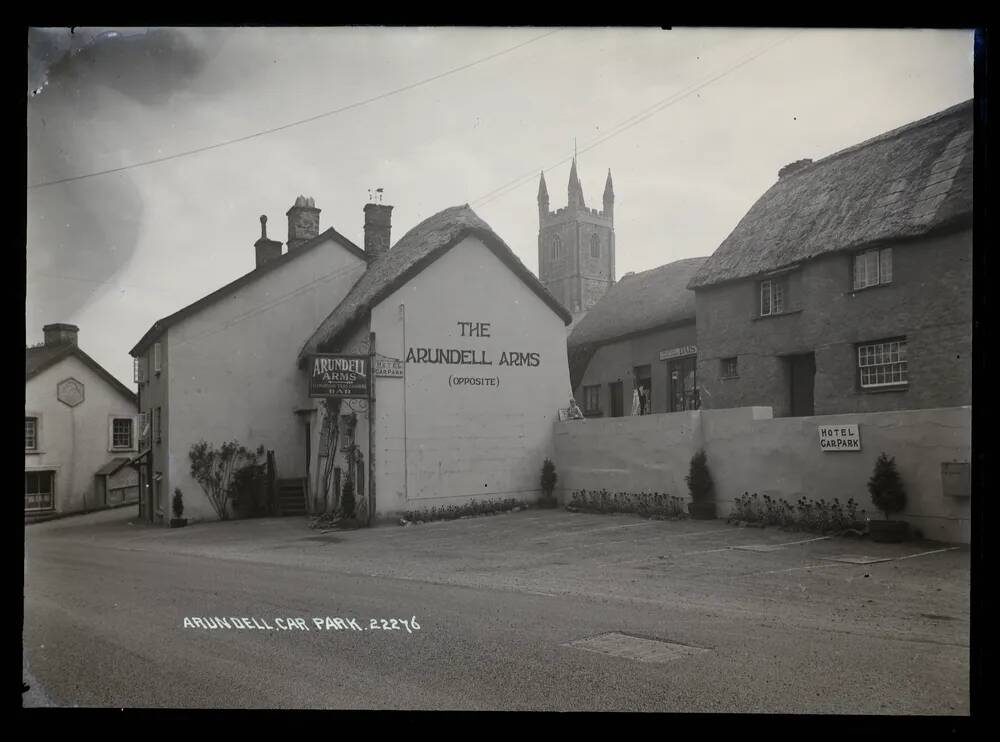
{"x":693,"y":124}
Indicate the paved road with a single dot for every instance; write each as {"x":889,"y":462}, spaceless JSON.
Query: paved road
{"x":104,"y":626}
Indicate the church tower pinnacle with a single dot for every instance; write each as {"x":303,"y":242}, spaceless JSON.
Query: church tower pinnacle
{"x":576,"y":245}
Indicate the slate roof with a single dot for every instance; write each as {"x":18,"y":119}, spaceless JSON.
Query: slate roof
{"x":162,"y":324}
{"x":414,"y":251}
{"x":637,"y":303}
{"x":905,"y":183}
{"x":41,"y":357}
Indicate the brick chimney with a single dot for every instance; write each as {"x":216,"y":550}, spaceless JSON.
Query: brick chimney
{"x":303,"y":222}
{"x":378,"y":225}
{"x":60,"y":334}
{"x":266,"y":249}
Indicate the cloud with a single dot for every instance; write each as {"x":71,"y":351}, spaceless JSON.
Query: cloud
{"x":96,"y":88}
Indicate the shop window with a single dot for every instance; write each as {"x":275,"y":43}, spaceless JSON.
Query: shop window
{"x":883,"y":364}
{"x":728,"y":368}
{"x":682,"y":379}
{"x":872,"y":268}
{"x":39,"y":489}
{"x":592,"y":400}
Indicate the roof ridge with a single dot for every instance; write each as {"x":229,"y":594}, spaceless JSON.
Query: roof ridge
{"x":245,"y":278}
{"x":887,"y":135}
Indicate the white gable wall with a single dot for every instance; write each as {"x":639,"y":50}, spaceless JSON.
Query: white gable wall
{"x":73,"y":441}
{"x":466,"y":441}
{"x":232,"y":366}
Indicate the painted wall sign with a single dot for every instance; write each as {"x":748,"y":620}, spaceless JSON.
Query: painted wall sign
{"x":839,"y":437}
{"x":338,"y":376}
{"x":388,"y":367}
{"x":684,"y":350}
{"x":473,"y":357}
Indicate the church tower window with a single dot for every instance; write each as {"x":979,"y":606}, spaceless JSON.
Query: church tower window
{"x":557,"y":248}
{"x":595,"y":246}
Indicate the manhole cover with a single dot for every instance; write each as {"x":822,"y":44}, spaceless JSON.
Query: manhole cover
{"x":856,"y":559}
{"x":758,"y":547}
{"x":636,"y":648}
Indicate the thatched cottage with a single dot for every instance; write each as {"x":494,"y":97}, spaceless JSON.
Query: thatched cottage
{"x":847,"y":287}
{"x":640,"y":335}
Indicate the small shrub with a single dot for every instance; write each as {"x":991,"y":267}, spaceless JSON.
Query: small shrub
{"x":699,"y":479}
{"x":886,"y":486}
{"x":178,"y":503}
{"x":549,"y":477}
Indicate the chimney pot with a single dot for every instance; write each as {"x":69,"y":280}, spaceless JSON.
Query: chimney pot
{"x":60,"y":334}
{"x":265,"y":250}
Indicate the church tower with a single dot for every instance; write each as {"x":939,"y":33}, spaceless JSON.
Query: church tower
{"x":576,"y":246}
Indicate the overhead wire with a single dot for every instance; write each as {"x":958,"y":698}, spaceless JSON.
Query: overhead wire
{"x":298,"y":122}
{"x":627,"y":124}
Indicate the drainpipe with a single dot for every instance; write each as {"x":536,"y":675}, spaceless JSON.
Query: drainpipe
{"x":406,"y":476}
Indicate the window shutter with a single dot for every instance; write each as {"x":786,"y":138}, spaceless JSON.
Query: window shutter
{"x":111,"y":433}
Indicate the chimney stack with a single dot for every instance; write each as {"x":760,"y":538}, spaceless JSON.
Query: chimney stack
{"x":378,"y":225}
{"x":266,"y":249}
{"x":60,"y":334}
{"x":794,"y":167}
{"x":303,"y":222}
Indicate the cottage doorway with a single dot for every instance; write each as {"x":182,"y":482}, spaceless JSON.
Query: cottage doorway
{"x":616,"y":407}
{"x":801,"y":378}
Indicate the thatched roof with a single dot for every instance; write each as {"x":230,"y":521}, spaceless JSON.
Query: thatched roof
{"x":417,"y":249}
{"x":638,"y":303}
{"x":905,"y":183}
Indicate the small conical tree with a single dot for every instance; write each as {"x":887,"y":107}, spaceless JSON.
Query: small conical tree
{"x":549,"y":477}
{"x":347,"y":499}
{"x":699,"y":480}
{"x":886,"y":486}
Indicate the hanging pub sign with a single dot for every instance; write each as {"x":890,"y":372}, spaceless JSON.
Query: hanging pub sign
{"x":338,"y":376}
